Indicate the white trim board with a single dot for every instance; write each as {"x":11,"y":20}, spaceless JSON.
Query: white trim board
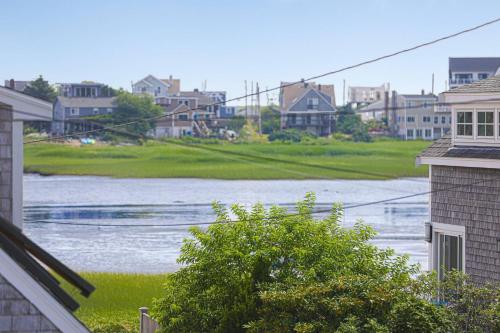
{"x":39,"y":296}
{"x":460,"y":162}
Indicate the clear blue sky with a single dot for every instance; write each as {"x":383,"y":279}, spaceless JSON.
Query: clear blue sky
{"x":228,"y":41}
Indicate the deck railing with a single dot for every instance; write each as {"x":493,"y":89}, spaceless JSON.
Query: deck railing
{"x":147,"y":324}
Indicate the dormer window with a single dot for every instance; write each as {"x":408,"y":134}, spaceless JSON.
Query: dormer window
{"x":485,"y":123}
{"x":312,"y":103}
{"x":464,"y":123}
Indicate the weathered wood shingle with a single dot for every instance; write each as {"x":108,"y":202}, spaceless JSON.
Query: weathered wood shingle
{"x":475,"y":205}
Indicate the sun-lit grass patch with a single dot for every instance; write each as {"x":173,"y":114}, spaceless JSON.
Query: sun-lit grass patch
{"x":116,"y":300}
{"x":327,"y":159}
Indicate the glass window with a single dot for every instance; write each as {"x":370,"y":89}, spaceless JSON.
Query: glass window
{"x":485,"y":121}
{"x":428,"y":133}
{"x":464,"y":123}
{"x":450,"y":254}
{"x":409,"y":133}
{"x":312,"y":103}
{"x":443,"y":120}
{"x":419,"y":133}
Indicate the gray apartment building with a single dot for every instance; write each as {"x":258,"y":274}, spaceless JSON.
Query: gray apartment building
{"x":464,"y":169}
{"x":468,"y":70}
{"x":416,"y":117}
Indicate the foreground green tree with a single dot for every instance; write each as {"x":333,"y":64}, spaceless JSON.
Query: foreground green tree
{"x":273,"y":272}
{"x":41,"y":88}
{"x":131,"y":108}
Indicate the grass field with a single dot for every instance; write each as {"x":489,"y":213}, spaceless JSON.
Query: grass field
{"x":114,"y":306}
{"x":337,"y":160}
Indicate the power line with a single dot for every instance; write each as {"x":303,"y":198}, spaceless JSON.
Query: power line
{"x":321,"y":211}
{"x":343,"y":69}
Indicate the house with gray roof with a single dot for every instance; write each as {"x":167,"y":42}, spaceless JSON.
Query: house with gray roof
{"x":70,"y":112}
{"x":155,"y":87}
{"x":468,"y":70}
{"x":308,"y":106}
{"x":464,"y":169}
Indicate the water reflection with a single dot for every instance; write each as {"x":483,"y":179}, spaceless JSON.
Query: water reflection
{"x":164,"y":202}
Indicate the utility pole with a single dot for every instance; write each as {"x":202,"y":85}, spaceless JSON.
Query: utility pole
{"x":386,"y":108}
{"x":246,"y":100}
{"x":251,"y":100}
{"x":432,"y":84}
{"x":258,"y":109}
{"x":343,"y":95}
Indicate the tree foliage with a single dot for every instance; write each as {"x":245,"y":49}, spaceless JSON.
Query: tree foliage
{"x":130,"y":107}
{"x":270,"y":119}
{"x":290,"y":135}
{"x":236,"y":123}
{"x":41,"y":88}
{"x":273,"y":272}
{"x":350,"y":123}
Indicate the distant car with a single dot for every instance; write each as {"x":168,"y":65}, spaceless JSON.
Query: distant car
{"x":87,"y":141}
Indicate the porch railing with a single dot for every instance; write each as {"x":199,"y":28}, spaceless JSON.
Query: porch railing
{"x":146,"y":323}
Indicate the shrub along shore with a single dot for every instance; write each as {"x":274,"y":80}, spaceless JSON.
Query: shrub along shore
{"x":318,"y":159}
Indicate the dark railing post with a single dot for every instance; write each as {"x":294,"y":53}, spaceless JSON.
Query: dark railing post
{"x":142,"y":312}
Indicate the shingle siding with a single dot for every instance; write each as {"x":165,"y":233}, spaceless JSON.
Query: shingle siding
{"x":477,"y":207}
{"x":17,"y":314}
{"x":6,"y":163}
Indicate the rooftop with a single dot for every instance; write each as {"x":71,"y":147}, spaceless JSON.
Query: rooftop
{"x":89,"y":102}
{"x":444,"y":148}
{"x":24,"y":251}
{"x":489,"y":85}
{"x":476,"y":64}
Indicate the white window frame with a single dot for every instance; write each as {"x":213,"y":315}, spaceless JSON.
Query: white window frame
{"x":455,"y":123}
{"x":448,"y":230}
{"x":477,"y":111}
{"x":475,"y":139}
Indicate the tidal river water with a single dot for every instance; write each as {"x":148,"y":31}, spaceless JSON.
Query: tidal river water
{"x":70,"y":200}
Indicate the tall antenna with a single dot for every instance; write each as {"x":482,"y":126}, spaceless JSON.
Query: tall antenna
{"x":251,"y":99}
{"x":343,"y":95}
{"x":432,"y":84}
{"x":246,"y":100}
{"x":258,"y":109}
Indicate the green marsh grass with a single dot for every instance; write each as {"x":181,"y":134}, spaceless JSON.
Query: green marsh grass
{"x":385,"y":159}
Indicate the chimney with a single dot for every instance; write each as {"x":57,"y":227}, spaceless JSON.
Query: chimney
{"x":170,"y":77}
{"x":423,"y":92}
{"x":319,"y":87}
{"x":12,"y":84}
{"x":196,"y":90}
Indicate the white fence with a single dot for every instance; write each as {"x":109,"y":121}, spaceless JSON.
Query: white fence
{"x":147,"y":324}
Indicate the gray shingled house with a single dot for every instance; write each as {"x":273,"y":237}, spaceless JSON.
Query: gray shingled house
{"x":464,"y":171}
{"x":31,"y":299}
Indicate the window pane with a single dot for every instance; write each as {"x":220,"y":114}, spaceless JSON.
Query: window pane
{"x":489,"y":130}
{"x":468,"y":130}
{"x":441,"y":256}
{"x":481,"y":117}
{"x":453,"y":252}
{"x":460,"y":254}
{"x":460,"y":118}
{"x":460,"y":129}
{"x":468,"y":117}
{"x":489,"y":117}
{"x":481,"y":130}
